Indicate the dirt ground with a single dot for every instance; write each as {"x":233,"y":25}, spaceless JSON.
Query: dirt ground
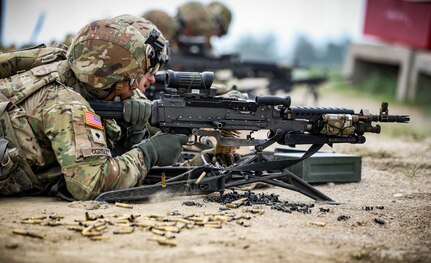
{"x":386,"y":216}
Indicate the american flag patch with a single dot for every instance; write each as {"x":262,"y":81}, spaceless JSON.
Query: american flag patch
{"x":93,"y":119}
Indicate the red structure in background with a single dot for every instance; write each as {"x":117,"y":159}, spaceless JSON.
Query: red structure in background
{"x":399,"y":21}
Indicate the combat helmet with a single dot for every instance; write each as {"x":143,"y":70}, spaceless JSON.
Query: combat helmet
{"x":157,"y":47}
{"x":164,"y":22}
{"x":108,"y":51}
{"x":196,"y":18}
{"x":222,"y":16}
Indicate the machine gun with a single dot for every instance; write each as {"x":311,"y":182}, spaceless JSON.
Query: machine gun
{"x":195,"y":110}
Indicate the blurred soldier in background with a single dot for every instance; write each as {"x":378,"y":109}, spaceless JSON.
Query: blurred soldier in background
{"x":195,"y":28}
{"x":165,"y":23}
{"x":221,"y":16}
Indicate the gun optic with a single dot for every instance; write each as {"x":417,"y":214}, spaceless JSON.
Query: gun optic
{"x":187,"y":80}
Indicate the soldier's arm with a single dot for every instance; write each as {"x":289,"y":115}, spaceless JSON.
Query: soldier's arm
{"x":81,"y":149}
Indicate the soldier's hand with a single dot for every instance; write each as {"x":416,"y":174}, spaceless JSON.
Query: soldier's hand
{"x":137,"y":112}
{"x":209,"y":156}
{"x":162,"y":149}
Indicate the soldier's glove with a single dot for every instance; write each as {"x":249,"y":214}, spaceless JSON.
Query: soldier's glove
{"x":137,"y":112}
{"x":209,"y":156}
{"x":162,"y":149}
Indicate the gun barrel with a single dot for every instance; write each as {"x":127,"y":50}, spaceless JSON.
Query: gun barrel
{"x":391,"y":118}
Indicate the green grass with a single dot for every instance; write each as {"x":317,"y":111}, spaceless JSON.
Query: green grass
{"x":423,"y":92}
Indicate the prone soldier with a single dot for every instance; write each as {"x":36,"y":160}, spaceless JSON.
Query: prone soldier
{"x":51,"y":137}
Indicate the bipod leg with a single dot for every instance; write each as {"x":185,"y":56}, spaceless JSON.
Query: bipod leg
{"x":297,"y":184}
{"x":301,"y":186}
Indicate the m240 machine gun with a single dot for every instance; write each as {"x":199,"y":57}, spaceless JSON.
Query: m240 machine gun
{"x":195,"y":110}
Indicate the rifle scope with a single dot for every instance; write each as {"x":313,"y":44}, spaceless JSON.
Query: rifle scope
{"x":186,"y":80}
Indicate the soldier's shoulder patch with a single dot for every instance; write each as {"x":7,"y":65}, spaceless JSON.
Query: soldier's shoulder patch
{"x":92,"y":119}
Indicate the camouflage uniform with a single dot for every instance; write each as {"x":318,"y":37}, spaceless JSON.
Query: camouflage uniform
{"x":66,"y":132}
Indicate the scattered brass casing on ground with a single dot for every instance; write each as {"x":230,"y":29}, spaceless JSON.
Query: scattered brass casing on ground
{"x":124,"y":230}
{"x":164,"y":241}
{"x":24,"y":232}
{"x":163,"y":180}
{"x":123,"y":205}
{"x":157,"y":232}
{"x":98,"y":238}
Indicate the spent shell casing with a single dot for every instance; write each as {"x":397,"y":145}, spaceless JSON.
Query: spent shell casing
{"x":239,"y":201}
{"x":124,"y":230}
{"x":123,"y":205}
{"x":101,"y":228}
{"x":197,"y":219}
{"x":255,"y":211}
{"x":76,"y":228}
{"x":41,"y":217}
{"x":180,"y":225}
{"x":156,"y":216}
{"x":24,"y":232}
{"x":52,"y":223}
{"x":164,"y":241}
{"x":213,"y":225}
{"x":172,"y":229}
{"x":242,"y":216}
{"x":122,"y":221}
{"x":163,"y":224}
{"x":32,"y":221}
{"x":321,"y":224}
{"x":100,"y":223}
{"x":182,"y":220}
{"x":201,"y":177}
{"x":157,"y":232}
{"x":221,"y":218}
{"x":169,"y":235}
{"x":99,"y":238}
{"x":145,"y":224}
{"x":71,"y":223}
{"x":163,"y":180}
{"x":89,"y":231}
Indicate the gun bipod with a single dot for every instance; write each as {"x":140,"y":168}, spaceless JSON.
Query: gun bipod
{"x":284,"y":178}
{"x":191,"y":182}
